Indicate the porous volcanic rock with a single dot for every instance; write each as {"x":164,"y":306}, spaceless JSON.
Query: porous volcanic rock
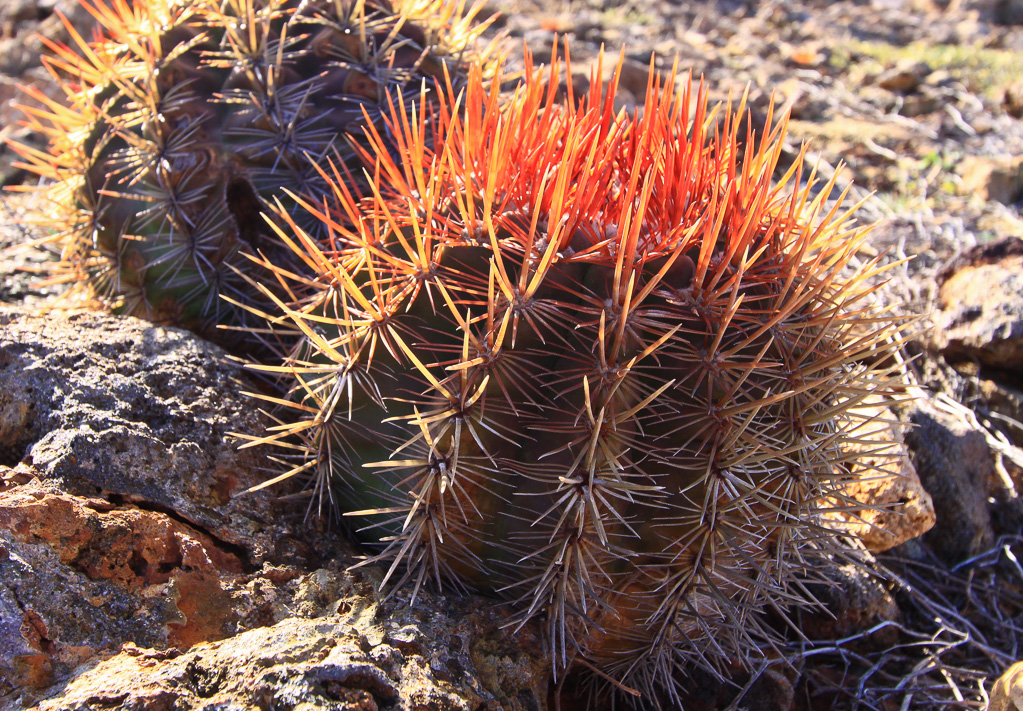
{"x":884,"y":504}
{"x":122,"y":514}
{"x":117,"y":408}
{"x":366,"y":655}
{"x":981,"y":299}
{"x":80,"y":576}
{"x":127,"y":537}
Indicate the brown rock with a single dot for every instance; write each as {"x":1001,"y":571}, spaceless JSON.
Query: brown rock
{"x":635,"y":76}
{"x":1012,"y":100}
{"x":360,"y":659}
{"x":854,"y":600}
{"x":54,"y":617}
{"x":998,"y":179}
{"x":125,"y":422}
{"x":131,"y":547}
{"x":179,"y":576}
{"x":772,"y":691}
{"x":904,"y":78}
{"x":981,"y":301}
{"x":1007,"y":693}
{"x":920,"y":103}
{"x":955,"y":466}
{"x":807,"y":55}
{"x":884,"y":503}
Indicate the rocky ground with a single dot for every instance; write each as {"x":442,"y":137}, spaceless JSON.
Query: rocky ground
{"x":134,"y":573}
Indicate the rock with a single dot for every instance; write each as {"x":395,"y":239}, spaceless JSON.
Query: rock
{"x":998,"y":179}
{"x":921,"y":103}
{"x":83,"y":577}
{"x":772,"y":691}
{"x":1012,"y":100}
{"x":981,"y":302}
{"x":1007,"y":693}
{"x":124,"y":574}
{"x":123,"y":521}
{"x":117,"y":408}
{"x":327,"y":663}
{"x":1003,"y":412}
{"x":1009,"y":12}
{"x":853,"y":600}
{"x":955,"y":467}
{"x":21,"y":262}
{"x":1005,"y":405}
{"x":807,"y":55}
{"x":634,"y":77}
{"x":884,"y":503}
{"x":905,"y":77}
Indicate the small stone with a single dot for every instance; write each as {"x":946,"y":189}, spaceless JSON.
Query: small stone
{"x":920,"y":104}
{"x":981,"y":302}
{"x":1007,"y":693}
{"x":772,"y":691}
{"x":854,"y":600}
{"x":1009,"y":12}
{"x":1012,"y":100}
{"x":997,"y":179}
{"x":807,"y":55}
{"x":905,"y":77}
{"x":634,"y":77}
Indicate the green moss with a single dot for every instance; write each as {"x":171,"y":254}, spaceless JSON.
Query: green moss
{"x":624,"y":17}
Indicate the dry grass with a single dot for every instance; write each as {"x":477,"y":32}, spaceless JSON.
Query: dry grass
{"x":960,"y":628}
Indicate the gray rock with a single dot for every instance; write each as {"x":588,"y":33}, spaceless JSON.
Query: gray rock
{"x":119,"y":408}
{"x":955,"y":466}
{"x":53,"y":617}
{"x":126,"y":535}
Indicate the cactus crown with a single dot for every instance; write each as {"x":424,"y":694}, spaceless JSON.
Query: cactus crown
{"x":183,"y":117}
{"x":596,"y":363}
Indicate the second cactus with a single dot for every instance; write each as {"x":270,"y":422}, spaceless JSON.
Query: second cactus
{"x":185,"y":118}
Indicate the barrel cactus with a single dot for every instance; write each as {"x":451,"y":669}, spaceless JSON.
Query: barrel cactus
{"x":184,"y":117}
{"x":600,"y":365}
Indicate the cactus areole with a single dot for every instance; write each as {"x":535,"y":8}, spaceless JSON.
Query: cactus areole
{"x":184,"y":117}
{"x":599,"y":364}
